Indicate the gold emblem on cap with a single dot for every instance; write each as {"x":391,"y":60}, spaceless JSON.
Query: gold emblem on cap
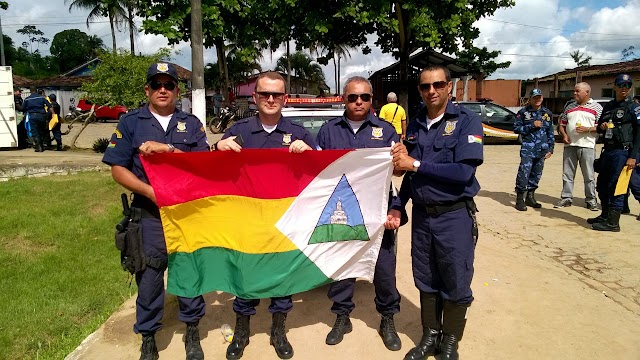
{"x":163,"y":67}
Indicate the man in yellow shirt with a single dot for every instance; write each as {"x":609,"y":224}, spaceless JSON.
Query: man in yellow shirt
{"x":394,"y":113}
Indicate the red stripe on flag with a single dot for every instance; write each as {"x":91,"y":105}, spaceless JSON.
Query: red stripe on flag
{"x":256,"y":173}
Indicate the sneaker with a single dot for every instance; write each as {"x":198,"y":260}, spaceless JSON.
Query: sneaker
{"x":593,"y":207}
{"x":566,"y":202}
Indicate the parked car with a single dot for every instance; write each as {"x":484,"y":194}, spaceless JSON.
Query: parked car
{"x":102,"y":111}
{"x":492,"y":114}
{"x":311,"y":119}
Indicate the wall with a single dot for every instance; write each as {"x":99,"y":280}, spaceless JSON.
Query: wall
{"x":503,"y":92}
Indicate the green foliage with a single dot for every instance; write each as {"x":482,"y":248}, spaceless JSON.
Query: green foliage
{"x":120,"y":78}
{"x":580,"y":58}
{"x":60,"y":274}
{"x":100,"y":145}
{"x":4,"y":5}
{"x":629,"y":53}
{"x":74,"y":47}
{"x":34,"y":35}
{"x":480,"y":61}
{"x":303,"y":67}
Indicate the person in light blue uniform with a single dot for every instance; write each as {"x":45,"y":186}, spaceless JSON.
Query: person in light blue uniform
{"x":441,"y":153}
{"x":534,"y":123}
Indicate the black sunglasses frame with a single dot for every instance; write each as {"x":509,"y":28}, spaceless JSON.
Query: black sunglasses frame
{"x":168,"y":85}
{"x":354,"y":97}
{"x":267,"y":94}
{"x":438,"y":85}
{"x":625,"y":86}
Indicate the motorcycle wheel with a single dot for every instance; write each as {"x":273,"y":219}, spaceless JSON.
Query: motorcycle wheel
{"x":229,"y":124}
{"x":214,"y":125}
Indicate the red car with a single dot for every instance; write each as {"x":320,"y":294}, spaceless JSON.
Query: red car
{"x":103,"y":112}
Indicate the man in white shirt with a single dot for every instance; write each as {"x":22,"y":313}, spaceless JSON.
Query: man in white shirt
{"x":578,"y":129}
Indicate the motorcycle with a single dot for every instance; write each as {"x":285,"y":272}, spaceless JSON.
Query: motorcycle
{"x":224,"y":120}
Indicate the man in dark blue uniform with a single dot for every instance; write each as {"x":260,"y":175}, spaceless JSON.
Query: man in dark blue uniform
{"x":359,"y":128}
{"x":534,"y":123}
{"x":620,"y":124}
{"x":39,"y":110}
{"x":443,"y":149}
{"x":156,"y":128}
{"x":266,"y":130}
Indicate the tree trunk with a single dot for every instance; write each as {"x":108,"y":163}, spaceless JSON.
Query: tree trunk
{"x":405,"y":35}
{"x":113,"y":32}
{"x":222,"y":63}
{"x":339,"y":85}
{"x":335,"y":74}
{"x":131,"y":28}
{"x":288,"y":67}
{"x":197,"y":63}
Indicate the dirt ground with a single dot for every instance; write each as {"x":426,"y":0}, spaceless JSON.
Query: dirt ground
{"x":545,"y":286}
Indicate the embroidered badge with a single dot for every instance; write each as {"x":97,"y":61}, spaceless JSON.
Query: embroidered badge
{"x":182,"y":126}
{"x":449,"y":127}
{"x":546,"y":117}
{"x":527,"y":115}
{"x":163,"y":67}
{"x":112,"y":144}
{"x":474,"y":139}
{"x":286,"y":139}
{"x":376,"y":132}
{"x":619,"y":113}
{"x":118,"y":134}
{"x":202,"y":129}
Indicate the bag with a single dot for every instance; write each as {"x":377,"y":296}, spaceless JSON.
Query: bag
{"x":597,"y":164}
{"x":129,"y":242}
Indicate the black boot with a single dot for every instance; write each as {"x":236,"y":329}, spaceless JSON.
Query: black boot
{"x":388,"y":333}
{"x":240,"y":337}
{"x":148,"y":350}
{"x":520,"y":205}
{"x":59,"y":146}
{"x":612,"y":223}
{"x":279,"y":336}
{"x":192,"y":342}
{"x":603,"y":217}
{"x":430,"y":313}
{"x":37,"y":145}
{"x":342,"y":326}
{"x":531,"y":200}
{"x":454,"y":319}
{"x":625,"y":207}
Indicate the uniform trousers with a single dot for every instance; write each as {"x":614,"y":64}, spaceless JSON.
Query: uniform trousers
{"x":150,"y":301}
{"x":529,"y":172}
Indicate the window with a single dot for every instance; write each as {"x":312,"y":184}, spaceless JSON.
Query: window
{"x":474,"y":108}
{"x":607,"y":93}
{"x":493,"y":110}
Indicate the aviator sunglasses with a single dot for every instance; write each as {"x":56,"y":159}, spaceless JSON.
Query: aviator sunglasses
{"x":266,"y":95}
{"x":155,"y":85}
{"x":354,"y":97}
{"x":438,"y":85}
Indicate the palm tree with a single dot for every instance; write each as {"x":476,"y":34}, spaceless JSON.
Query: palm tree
{"x":303,"y":68}
{"x":102,"y":8}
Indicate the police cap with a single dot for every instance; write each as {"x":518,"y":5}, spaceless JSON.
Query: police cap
{"x":622,"y":79}
{"x":162,"y":68}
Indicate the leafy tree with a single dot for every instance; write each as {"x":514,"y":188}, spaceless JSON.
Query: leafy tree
{"x":303,"y":68}
{"x":10,"y":51}
{"x":112,"y":9}
{"x":629,"y":53}
{"x":404,"y":26}
{"x":34,"y":35}
{"x":580,"y":58}
{"x":479,"y":61}
{"x":120,"y":78}
{"x":4,"y":5}
{"x":74,"y":47}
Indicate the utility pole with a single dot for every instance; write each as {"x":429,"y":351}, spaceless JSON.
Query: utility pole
{"x":197,"y":64}
{"x":2,"y":62}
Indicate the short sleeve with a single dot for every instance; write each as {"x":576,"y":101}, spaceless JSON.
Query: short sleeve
{"x":120,"y":149}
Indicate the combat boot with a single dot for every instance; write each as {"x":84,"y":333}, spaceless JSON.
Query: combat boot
{"x":388,"y":333}
{"x":430,"y":314}
{"x":59,"y":146}
{"x":612,"y":223}
{"x":148,"y":349}
{"x":279,"y":336}
{"x":240,"y":337}
{"x":520,"y":205}
{"x":342,"y":326}
{"x":454,"y":319}
{"x":37,"y":145}
{"x":531,"y":200}
{"x":603,"y":217}
{"x":192,"y":342}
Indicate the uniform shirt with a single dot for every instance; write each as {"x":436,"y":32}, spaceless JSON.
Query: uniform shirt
{"x":255,"y":137}
{"x":373,"y":133}
{"x":393,"y":113}
{"x":449,"y":153}
{"x":35,"y":104}
{"x":17,"y":100}
{"x":536,"y":142}
{"x":626,"y":111}
{"x":185,"y":132}
{"x":575,"y":115}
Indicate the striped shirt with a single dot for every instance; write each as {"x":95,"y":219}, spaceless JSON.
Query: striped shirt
{"x":586,"y":115}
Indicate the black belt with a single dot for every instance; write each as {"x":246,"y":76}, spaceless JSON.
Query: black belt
{"x":442,"y":208}
{"x":617,"y":147}
{"x":150,"y":213}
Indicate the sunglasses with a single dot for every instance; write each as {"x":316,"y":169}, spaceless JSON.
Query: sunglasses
{"x":438,"y":85}
{"x":155,"y":85}
{"x":354,"y":97}
{"x":266,"y":95}
{"x":624,"y":86}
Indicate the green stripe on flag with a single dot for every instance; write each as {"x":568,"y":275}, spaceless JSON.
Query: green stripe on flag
{"x":250,"y":276}
{"x":338,"y":232}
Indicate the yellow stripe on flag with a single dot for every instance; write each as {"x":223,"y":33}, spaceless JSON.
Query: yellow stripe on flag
{"x":238,"y":223}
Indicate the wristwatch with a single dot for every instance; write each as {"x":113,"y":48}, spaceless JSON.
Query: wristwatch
{"x":416,"y":165}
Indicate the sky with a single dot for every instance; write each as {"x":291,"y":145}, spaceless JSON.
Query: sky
{"x":535,"y":35}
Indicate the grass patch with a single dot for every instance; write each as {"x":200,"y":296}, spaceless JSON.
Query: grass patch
{"x":60,"y":276}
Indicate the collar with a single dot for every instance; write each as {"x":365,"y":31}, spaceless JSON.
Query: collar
{"x":145,"y":113}
{"x":256,"y":126}
{"x":372,"y":119}
{"x":451,"y":111}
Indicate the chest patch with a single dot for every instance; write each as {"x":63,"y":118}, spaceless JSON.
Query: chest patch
{"x":286,"y":139}
{"x":527,"y":115}
{"x":449,"y":127}
{"x":619,"y":113}
{"x":376,"y":133}
{"x":182,"y":126}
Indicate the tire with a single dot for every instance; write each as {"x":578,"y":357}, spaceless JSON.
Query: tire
{"x":214,"y":125}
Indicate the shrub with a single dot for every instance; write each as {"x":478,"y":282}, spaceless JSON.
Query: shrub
{"x":100,"y":145}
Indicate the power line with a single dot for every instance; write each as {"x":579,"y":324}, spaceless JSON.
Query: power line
{"x":553,"y":56}
{"x":561,"y":41}
{"x":558,"y":29}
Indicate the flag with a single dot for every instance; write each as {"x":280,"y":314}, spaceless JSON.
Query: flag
{"x":268,"y":223}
